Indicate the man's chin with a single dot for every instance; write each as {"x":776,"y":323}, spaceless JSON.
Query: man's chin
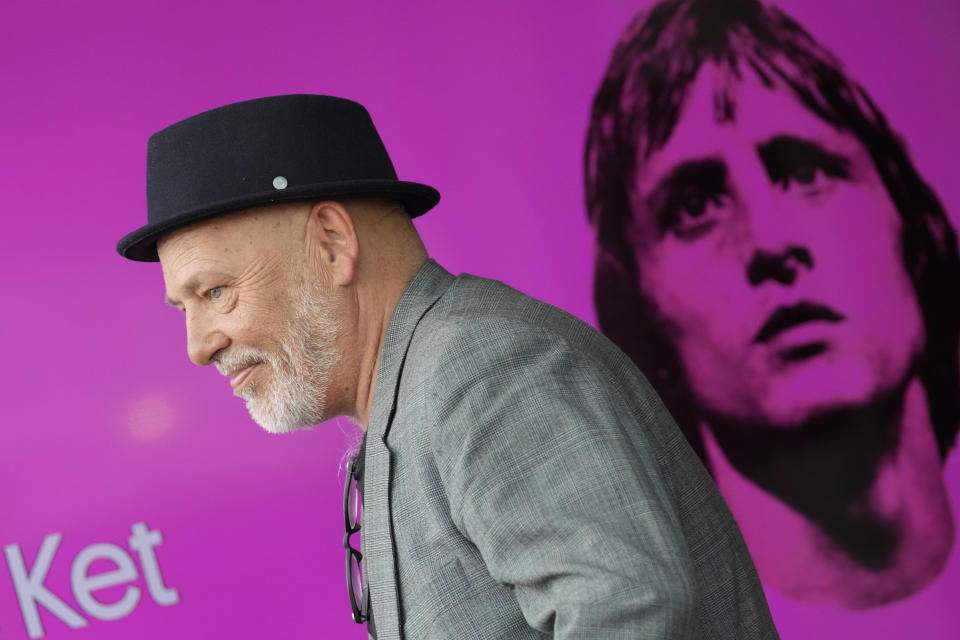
{"x":270,"y":422}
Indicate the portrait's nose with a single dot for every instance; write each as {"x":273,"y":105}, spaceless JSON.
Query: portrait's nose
{"x":777,"y":249}
{"x":203,"y":340}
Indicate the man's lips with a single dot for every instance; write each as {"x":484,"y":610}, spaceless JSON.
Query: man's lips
{"x":785,"y":317}
{"x":238,"y":376}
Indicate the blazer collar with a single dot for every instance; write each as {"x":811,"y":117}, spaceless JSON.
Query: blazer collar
{"x":379,"y":563}
{"x":430,"y":282}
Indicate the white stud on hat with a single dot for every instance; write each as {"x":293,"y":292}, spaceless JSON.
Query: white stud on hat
{"x":279,"y":182}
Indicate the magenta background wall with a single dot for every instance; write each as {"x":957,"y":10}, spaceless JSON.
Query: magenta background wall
{"x":107,"y":424}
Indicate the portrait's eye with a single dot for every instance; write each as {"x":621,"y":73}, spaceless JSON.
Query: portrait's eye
{"x":800,"y":165}
{"x":215,"y":293}
{"x":806,"y":174}
{"x":695,"y":206}
{"x":809,"y":176}
{"x":691,"y":199}
{"x":694,"y":211}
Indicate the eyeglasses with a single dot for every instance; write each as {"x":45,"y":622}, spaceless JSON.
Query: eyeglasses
{"x":352,"y":512}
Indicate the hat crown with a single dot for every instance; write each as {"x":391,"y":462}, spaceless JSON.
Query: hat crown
{"x":240,"y":148}
{"x":260,"y":152}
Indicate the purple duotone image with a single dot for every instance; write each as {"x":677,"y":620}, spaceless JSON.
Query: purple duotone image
{"x":769,"y":255}
{"x":139,"y":500}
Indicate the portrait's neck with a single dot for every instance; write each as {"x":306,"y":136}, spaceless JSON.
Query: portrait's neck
{"x":840,"y":520}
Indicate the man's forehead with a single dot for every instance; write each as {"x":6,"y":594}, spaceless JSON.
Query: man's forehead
{"x":198,"y":242}
{"x":217,"y":246}
{"x":248,"y":230}
{"x":222,"y":225}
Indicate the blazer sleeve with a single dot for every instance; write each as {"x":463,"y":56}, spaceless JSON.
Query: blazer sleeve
{"x":550,"y":465}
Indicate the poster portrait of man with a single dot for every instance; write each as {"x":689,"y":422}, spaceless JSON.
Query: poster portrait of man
{"x":769,"y":255}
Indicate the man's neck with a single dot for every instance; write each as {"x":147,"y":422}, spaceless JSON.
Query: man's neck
{"x":376,"y":306}
{"x":844,"y":520}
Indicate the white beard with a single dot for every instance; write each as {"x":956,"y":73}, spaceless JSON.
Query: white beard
{"x":294,"y":397}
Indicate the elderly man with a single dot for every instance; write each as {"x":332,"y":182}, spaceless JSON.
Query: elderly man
{"x":519,"y":476}
{"x":769,"y":253}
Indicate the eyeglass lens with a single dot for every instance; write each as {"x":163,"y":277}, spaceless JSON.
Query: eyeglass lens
{"x":354,"y":505}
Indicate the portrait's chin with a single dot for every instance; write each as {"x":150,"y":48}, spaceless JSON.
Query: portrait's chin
{"x":797,"y":394}
{"x":778,"y":393}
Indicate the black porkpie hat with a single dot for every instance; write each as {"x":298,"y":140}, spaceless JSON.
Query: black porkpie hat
{"x":262,"y":152}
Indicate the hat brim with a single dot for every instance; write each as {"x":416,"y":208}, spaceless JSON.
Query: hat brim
{"x":416,"y":198}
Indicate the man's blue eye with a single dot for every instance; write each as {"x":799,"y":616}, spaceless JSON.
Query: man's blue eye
{"x":216,"y":292}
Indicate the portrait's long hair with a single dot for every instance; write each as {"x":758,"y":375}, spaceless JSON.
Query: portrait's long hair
{"x":635,"y":110}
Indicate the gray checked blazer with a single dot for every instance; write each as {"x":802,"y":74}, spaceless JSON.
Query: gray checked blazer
{"x":523,"y":480}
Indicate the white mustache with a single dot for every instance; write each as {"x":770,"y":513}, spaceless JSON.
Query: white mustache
{"x":238,"y":359}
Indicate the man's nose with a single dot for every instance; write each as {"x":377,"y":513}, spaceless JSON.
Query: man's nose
{"x":203,"y":340}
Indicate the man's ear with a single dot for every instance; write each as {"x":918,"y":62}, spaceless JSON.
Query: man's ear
{"x":332,"y":241}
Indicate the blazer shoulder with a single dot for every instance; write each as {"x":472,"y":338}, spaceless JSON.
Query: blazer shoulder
{"x":482,"y":330}
{"x":479,"y":307}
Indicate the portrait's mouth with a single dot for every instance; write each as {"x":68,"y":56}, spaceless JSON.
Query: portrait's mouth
{"x":785,"y":317}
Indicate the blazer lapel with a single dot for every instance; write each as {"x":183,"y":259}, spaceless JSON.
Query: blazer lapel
{"x":379,"y":563}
